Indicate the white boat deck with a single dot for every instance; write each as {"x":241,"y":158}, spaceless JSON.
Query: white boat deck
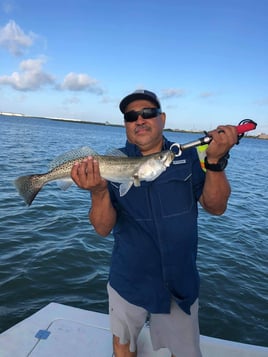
{"x":63,"y":331}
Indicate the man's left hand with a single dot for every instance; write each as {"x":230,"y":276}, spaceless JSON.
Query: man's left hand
{"x":223,"y":139}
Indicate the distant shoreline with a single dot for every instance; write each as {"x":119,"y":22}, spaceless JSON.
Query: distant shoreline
{"x":19,"y":115}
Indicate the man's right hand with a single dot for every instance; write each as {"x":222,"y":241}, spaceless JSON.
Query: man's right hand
{"x":86,"y":175}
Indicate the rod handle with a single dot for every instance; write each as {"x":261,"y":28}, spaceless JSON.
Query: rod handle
{"x":246,"y":125}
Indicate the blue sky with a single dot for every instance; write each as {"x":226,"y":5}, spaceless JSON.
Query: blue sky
{"x":207,"y":60}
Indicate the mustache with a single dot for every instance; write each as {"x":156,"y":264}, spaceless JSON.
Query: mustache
{"x":141,"y":127}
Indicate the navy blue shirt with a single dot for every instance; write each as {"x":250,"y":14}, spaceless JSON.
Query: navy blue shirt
{"x":155,"y":248}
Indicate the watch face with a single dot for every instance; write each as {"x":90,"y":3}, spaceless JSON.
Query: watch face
{"x":223,"y":163}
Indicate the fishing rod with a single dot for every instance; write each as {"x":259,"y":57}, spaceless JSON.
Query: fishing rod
{"x":244,"y":126}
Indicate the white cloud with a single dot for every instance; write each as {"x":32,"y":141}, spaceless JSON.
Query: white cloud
{"x":206,"y":94}
{"x":72,"y":100}
{"x":8,"y":6}
{"x":81,"y":82}
{"x":263,"y":101}
{"x":14,"y":39}
{"x":172,"y":93}
{"x":31,"y":76}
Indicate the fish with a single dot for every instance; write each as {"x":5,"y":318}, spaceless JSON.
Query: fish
{"x":115,"y":167}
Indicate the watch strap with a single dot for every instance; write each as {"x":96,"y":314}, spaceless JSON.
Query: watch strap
{"x":219,"y":166}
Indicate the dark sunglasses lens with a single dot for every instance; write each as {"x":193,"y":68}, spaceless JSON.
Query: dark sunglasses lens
{"x":131,"y":116}
{"x":148,"y":113}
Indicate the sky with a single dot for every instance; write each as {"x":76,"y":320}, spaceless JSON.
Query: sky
{"x":206,"y":60}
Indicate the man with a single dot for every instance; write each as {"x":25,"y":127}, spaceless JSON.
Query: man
{"x":153,"y":268}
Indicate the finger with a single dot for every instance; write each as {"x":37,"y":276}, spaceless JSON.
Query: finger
{"x":90,"y":172}
{"x":74,"y":173}
{"x":221,"y":131}
{"x":217,"y":134}
{"x":229,"y":132}
{"x":86,"y":168}
{"x":96,"y":171}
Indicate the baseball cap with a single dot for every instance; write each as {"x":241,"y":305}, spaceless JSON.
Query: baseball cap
{"x":137,"y":95}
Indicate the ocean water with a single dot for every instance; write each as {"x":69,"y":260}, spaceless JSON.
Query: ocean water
{"x":50,"y":252}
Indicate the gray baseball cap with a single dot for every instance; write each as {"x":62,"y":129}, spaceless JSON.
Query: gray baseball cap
{"x":137,"y":95}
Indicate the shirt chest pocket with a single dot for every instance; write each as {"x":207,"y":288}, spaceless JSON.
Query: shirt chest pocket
{"x":175,"y":191}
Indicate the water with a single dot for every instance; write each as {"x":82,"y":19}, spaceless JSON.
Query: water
{"x":49,"y":252}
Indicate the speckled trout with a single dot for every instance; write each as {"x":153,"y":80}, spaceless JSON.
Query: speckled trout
{"x":115,"y":167}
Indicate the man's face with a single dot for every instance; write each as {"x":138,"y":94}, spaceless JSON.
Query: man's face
{"x":145,"y":133}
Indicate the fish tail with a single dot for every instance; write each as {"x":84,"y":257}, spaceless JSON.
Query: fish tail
{"x":29,"y":186}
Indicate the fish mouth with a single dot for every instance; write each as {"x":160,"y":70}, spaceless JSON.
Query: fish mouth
{"x":169,"y":160}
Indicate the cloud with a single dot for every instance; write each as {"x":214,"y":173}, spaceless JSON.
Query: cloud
{"x":14,"y":39}
{"x":172,"y":93}
{"x":72,"y":100}
{"x":31,"y":76}
{"x":206,"y":94}
{"x":81,"y":82}
{"x":263,"y":101}
{"x":8,"y":7}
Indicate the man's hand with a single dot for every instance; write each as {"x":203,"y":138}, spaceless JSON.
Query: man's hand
{"x":86,"y":175}
{"x":223,"y":139}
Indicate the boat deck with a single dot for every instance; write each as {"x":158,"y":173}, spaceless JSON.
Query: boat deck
{"x":62,"y":331}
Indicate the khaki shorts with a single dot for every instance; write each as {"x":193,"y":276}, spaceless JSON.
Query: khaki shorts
{"x":177,"y":331}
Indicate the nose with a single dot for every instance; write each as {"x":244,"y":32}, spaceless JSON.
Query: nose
{"x":140,"y":120}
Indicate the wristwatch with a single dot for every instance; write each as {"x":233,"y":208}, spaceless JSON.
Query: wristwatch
{"x":220,"y":166}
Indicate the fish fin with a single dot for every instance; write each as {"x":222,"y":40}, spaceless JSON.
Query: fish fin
{"x":64,"y":184}
{"x":115,"y":152}
{"x":28,"y":187}
{"x":71,"y":155}
{"x":137,"y":182}
{"x":125,"y":187}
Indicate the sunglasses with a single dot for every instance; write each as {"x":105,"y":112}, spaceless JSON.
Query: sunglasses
{"x":146,"y":113}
